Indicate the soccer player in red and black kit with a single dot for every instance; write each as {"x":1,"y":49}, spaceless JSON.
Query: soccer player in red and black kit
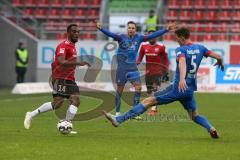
{"x":63,"y":80}
{"x":156,"y":65}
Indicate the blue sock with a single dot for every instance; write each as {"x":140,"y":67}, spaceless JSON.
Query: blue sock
{"x":136,"y":98}
{"x":135,"y":111}
{"x":203,"y":122}
{"x":118,"y":101}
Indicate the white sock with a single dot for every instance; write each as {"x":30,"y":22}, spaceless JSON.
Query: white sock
{"x":43,"y":108}
{"x":72,"y":110}
{"x":154,"y":108}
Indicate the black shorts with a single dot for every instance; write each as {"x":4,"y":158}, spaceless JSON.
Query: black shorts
{"x":150,"y":80}
{"x":64,"y":88}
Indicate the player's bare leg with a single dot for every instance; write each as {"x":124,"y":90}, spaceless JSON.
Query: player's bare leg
{"x":57,"y":102}
{"x":204,"y":123}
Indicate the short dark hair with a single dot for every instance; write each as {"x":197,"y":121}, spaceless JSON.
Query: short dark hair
{"x":131,"y":22}
{"x":70,"y":26}
{"x":183,"y":32}
{"x":151,"y":11}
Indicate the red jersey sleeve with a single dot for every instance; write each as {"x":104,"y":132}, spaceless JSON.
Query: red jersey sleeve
{"x":140,"y":55}
{"x":165,"y":57}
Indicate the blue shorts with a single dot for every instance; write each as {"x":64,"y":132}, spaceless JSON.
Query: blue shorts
{"x":171,"y":94}
{"x":124,"y":75}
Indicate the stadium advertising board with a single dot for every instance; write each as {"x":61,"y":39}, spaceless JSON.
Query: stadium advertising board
{"x":231,"y":75}
{"x":105,"y":51}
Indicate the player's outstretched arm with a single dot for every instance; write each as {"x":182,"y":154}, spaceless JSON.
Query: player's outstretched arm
{"x":219,"y":62}
{"x":182,"y":86}
{"x":106,"y":32}
{"x":170,"y":27}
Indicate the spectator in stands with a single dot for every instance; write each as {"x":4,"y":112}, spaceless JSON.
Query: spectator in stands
{"x":21,"y":61}
{"x":152,"y":21}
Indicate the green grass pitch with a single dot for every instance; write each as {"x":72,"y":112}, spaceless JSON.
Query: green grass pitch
{"x":163,"y":138}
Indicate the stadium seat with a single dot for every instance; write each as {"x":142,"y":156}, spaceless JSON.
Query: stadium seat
{"x":209,"y":37}
{"x":44,"y":3}
{"x":29,"y":12}
{"x":200,"y":4}
{"x":95,"y":2}
{"x":235,"y":37}
{"x":90,"y":26}
{"x":54,"y":13}
{"x":62,"y":25}
{"x":173,"y":4}
{"x":211,"y":15}
{"x":187,"y":4}
{"x":235,"y":27}
{"x":61,"y":36}
{"x":41,"y":13}
{"x":57,"y":3}
{"x":223,"y":27}
{"x":236,"y":15}
{"x":88,"y":36}
{"x":226,"y":4}
{"x":30,"y":3}
{"x":225,"y":15}
{"x":70,"y":3}
{"x":196,"y":37}
{"x":79,"y":14}
{"x":222,"y":37}
{"x":196,"y":27}
{"x":92,"y":13}
{"x":82,"y":3}
{"x":67,"y":13}
{"x":213,"y":4}
{"x":185,"y":15}
{"x":198,"y":15}
{"x":210,"y":27}
{"x":199,"y":38}
{"x":236,"y":4}
{"x":51,"y":25}
{"x":17,"y":2}
{"x":172,"y":15}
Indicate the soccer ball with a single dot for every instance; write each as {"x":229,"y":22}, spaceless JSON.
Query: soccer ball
{"x":64,"y":127}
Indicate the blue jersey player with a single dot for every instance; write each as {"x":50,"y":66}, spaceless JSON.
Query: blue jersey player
{"x":126,"y":58}
{"x":189,"y":57}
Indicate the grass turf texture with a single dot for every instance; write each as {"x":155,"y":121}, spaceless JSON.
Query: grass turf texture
{"x":97,"y":139}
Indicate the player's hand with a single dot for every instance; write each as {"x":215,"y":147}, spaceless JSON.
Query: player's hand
{"x":98,"y":25}
{"x":220,"y":64}
{"x":171,"y":26}
{"x":182,"y":86}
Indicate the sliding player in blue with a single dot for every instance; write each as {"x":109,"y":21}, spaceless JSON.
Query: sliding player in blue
{"x":126,"y":58}
{"x":189,"y":57}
